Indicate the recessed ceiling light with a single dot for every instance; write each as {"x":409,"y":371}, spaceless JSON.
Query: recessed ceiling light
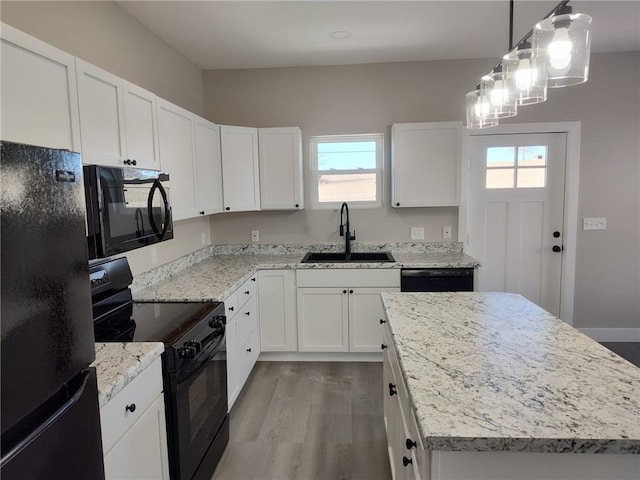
{"x":340,"y":34}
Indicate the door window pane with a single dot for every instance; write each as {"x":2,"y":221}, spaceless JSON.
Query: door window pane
{"x":532,"y":177}
{"x":499,"y":178}
{"x":501,"y":157}
{"x":532,"y":156}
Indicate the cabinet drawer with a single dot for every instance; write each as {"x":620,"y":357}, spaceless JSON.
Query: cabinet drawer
{"x":247,"y":290}
{"x":115,"y":419}
{"x":231,"y":304}
{"x":247,"y":319}
{"x":346,"y":277}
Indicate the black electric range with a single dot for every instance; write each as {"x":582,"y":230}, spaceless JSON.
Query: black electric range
{"x":194,"y":363}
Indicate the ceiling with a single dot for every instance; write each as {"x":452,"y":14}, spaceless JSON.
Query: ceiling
{"x":262,"y":34}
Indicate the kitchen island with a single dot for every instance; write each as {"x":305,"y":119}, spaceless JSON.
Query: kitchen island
{"x":490,"y":386}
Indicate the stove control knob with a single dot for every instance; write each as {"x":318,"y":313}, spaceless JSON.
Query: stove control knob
{"x":187,"y":352}
{"x":195,"y":345}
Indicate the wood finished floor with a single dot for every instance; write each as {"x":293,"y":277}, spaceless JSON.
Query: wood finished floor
{"x":627,"y":350}
{"x":308,"y":420}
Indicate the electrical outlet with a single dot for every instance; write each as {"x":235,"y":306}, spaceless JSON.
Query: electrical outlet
{"x":255,"y":235}
{"x":203,"y":238}
{"x":154,"y":255}
{"x":594,"y":223}
{"x":417,"y":233}
{"x":446,"y":232}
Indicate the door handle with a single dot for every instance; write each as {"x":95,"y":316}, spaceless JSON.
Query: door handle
{"x":557,"y":248}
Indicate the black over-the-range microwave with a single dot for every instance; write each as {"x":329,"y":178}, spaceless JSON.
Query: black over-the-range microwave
{"x":127,"y":208}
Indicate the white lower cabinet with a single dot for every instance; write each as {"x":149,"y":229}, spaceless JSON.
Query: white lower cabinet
{"x":277,"y":306}
{"x":339,"y":310}
{"x":243,"y":336}
{"x":134,"y":437}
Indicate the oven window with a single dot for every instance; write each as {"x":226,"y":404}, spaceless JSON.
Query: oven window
{"x":197,"y":404}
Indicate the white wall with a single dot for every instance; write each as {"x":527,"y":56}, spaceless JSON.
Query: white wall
{"x":105,"y":35}
{"x":369,"y":98}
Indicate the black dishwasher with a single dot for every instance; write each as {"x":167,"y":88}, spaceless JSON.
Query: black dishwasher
{"x":436,"y":280}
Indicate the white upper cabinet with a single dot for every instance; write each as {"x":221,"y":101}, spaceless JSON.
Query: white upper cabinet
{"x":39,"y":96}
{"x":426,"y":164}
{"x":101,"y":115}
{"x":280,"y":152}
{"x":177,"y":157}
{"x":141,"y":129}
{"x":240,"y":171}
{"x":208,"y":166}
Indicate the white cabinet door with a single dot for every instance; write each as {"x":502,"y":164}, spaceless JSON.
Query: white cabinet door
{"x":39,"y":96}
{"x":323,"y":324}
{"x":142,"y":451}
{"x":365,"y":313}
{"x":277,"y":306}
{"x":208,"y":166}
{"x":240,"y":171}
{"x":141,"y":128}
{"x":426,"y":164}
{"x":177,"y":157}
{"x":101,"y":116}
{"x":280,"y":152}
{"x":233,"y":375}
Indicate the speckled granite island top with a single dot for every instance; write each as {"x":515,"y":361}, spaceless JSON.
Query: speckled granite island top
{"x":117,"y":364}
{"x":216,"y":277}
{"x":492,"y":371}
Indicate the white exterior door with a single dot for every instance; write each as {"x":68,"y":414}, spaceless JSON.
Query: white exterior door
{"x":515,"y":214}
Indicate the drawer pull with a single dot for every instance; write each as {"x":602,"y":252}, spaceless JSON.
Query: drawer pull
{"x":382,"y":346}
{"x":130,"y":408}
{"x":231,"y":309}
{"x":410,"y":444}
{"x":249,"y":350}
{"x":406,"y":461}
{"x":253,"y":279}
{"x":247,"y":313}
{"x":247,"y":292}
{"x":382,"y":321}
{"x":392,"y":389}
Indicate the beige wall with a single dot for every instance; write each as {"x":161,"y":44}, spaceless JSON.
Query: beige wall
{"x":369,"y":98}
{"x":105,"y":35}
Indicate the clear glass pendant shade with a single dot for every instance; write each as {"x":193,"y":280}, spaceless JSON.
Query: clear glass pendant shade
{"x":479,"y":111}
{"x":528,"y":73}
{"x":499,"y":89}
{"x":565,"y":41}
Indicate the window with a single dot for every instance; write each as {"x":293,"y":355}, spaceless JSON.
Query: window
{"x":346,"y":168}
{"x":517,"y":167}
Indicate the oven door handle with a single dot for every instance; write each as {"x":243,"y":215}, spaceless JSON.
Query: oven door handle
{"x":163,"y":193}
{"x":206,"y":354}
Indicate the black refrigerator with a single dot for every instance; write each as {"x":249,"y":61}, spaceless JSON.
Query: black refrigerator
{"x":50,"y":416}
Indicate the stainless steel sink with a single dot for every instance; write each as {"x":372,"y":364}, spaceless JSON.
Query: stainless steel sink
{"x":341,"y":257}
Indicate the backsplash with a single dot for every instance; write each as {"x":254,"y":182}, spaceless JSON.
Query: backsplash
{"x":162,"y":272}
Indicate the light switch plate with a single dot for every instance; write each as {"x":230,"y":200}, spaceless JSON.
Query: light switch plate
{"x":594,"y":223}
{"x":255,"y":235}
{"x":417,"y":233}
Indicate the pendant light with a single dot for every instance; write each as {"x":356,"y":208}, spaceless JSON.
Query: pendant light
{"x":479,"y":110}
{"x":565,"y":40}
{"x":529,"y":75}
{"x":499,"y":89}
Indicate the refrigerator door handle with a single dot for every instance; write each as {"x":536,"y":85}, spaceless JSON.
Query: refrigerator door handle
{"x":163,"y":194}
{"x":46,"y":424}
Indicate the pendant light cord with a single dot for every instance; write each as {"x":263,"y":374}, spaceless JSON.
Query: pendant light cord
{"x":511,"y":2}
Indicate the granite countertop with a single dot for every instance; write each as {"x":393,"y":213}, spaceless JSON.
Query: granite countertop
{"x":493,"y":371}
{"x":216,"y":277}
{"x":117,"y":364}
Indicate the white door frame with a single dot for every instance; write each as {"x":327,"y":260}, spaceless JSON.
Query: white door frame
{"x":571,"y":185}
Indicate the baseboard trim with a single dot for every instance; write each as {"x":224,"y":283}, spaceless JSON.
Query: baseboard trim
{"x":612,"y":334}
{"x":319,"y":357}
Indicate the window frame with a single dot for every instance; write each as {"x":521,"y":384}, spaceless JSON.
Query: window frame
{"x":314,"y":141}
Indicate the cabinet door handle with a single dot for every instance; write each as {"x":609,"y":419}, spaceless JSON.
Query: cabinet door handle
{"x":249,"y":350}
{"x":231,"y":309}
{"x":382,"y":346}
{"x":344,"y":291}
{"x":392,"y":390}
{"x":398,"y":204}
{"x":133,"y":162}
{"x":253,"y":279}
{"x":410,"y":444}
{"x":130,"y":408}
{"x":382,"y":321}
{"x":247,"y":313}
{"x":246,"y":292}
{"x":350,"y":291}
{"x":297,"y":205}
{"x":228,"y":208}
{"x":406,"y":461}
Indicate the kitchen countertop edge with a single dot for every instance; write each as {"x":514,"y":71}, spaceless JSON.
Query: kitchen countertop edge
{"x":117,"y":364}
